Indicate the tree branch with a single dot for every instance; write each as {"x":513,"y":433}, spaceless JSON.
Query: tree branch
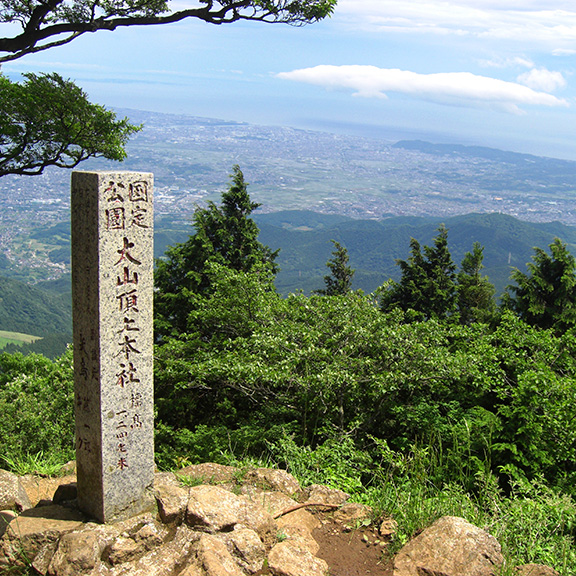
{"x":30,"y":40}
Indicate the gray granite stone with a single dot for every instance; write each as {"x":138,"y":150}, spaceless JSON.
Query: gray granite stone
{"x":112,"y":287}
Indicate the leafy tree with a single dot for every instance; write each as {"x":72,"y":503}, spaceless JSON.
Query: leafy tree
{"x":224,"y":235}
{"x":340,"y":279}
{"x":57,"y":22}
{"x":49,"y":121}
{"x":37,"y":406}
{"x":546,"y":296}
{"x":475,"y":292}
{"x":427,"y":285}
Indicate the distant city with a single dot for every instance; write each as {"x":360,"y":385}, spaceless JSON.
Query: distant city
{"x":289,"y":169}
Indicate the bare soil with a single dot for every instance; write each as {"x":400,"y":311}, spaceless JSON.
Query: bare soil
{"x":352,"y":552}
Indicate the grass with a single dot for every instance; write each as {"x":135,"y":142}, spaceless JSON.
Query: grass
{"x":16,"y":338}
{"x":37,"y":464}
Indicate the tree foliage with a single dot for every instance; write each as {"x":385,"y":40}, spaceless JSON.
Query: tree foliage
{"x":546,"y":295}
{"x":428,"y":282}
{"x":340,"y":279}
{"x":45,"y":24}
{"x":49,"y":121}
{"x":223,"y":234}
{"x":36,"y":402}
{"x":475,"y":292}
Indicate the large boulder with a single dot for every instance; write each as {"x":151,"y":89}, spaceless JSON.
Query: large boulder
{"x":12,"y":493}
{"x":215,"y":509}
{"x":451,"y":546}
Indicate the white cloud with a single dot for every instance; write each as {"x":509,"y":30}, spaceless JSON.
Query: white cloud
{"x":524,"y":21}
{"x":542,"y":79}
{"x":507,"y":63}
{"x":456,"y":89}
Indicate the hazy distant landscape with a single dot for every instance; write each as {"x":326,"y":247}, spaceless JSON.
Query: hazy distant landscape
{"x":370,"y":194}
{"x":288,"y":169}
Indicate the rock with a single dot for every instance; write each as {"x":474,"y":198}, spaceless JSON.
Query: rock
{"x":124,"y":550}
{"x":275,"y":502}
{"x":352,"y":513}
{"x":300,"y":534}
{"x":292,"y":558}
{"x":451,"y":546}
{"x":6,"y":516}
{"x":210,"y":473}
{"x":12,"y":493}
{"x":77,"y":553}
{"x":388,"y":528}
{"x":65,"y":493}
{"x":39,"y":488}
{"x":332,"y":496}
{"x":135,"y":538}
{"x":215,"y":509}
{"x":172,"y":501}
{"x":34,"y":530}
{"x":247,"y":548}
{"x":535,"y":570}
{"x":276,"y":480}
{"x":215,"y":558}
{"x":299,"y":517}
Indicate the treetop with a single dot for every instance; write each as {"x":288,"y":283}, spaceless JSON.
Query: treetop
{"x":48,"y":23}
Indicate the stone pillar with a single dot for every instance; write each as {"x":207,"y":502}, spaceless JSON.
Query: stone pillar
{"x":112,"y":293}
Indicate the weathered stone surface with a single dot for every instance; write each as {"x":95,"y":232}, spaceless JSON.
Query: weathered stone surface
{"x":299,"y":517}
{"x":39,"y":488}
{"x":535,"y":570}
{"x":215,"y":509}
{"x":352,"y":512}
{"x":388,"y":528}
{"x":276,"y":480}
{"x":12,"y":494}
{"x":332,"y":496}
{"x":172,"y":501}
{"x":34,"y":529}
{"x":450,"y":547}
{"x":210,"y":473}
{"x":77,"y":553}
{"x":6,"y":516}
{"x":112,"y":280}
{"x":247,"y":549}
{"x":134,"y":538}
{"x":292,"y":558}
{"x":215,"y":557}
{"x":301,"y":534}
{"x":275,"y":502}
{"x":65,"y":493}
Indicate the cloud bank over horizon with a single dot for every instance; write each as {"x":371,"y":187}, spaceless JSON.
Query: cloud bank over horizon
{"x":523,"y":21}
{"x":450,"y":88}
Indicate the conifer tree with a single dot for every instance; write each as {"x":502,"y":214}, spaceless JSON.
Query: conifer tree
{"x":475,"y":292}
{"x":427,"y":285}
{"x":546,"y":296}
{"x":339,"y":281}
{"x":223,"y":234}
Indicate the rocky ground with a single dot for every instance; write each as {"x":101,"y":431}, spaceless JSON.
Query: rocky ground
{"x":214,"y":520}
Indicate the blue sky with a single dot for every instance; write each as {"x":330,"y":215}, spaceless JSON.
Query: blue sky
{"x":497,"y":73}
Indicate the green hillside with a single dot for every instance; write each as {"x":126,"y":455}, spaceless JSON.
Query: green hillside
{"x":304,"y":241}
{"x":31,"y":310}
{"x":374,"y":246}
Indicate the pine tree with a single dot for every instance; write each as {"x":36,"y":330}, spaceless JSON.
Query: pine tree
{"x":223,"y":234}
{"x":546,"y":296}
{"x":427,"y":285}
{"x":339,"y":282}
{"x":475,"y":292}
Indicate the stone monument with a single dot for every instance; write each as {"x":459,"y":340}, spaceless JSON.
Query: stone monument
{"x":112,"y":293}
